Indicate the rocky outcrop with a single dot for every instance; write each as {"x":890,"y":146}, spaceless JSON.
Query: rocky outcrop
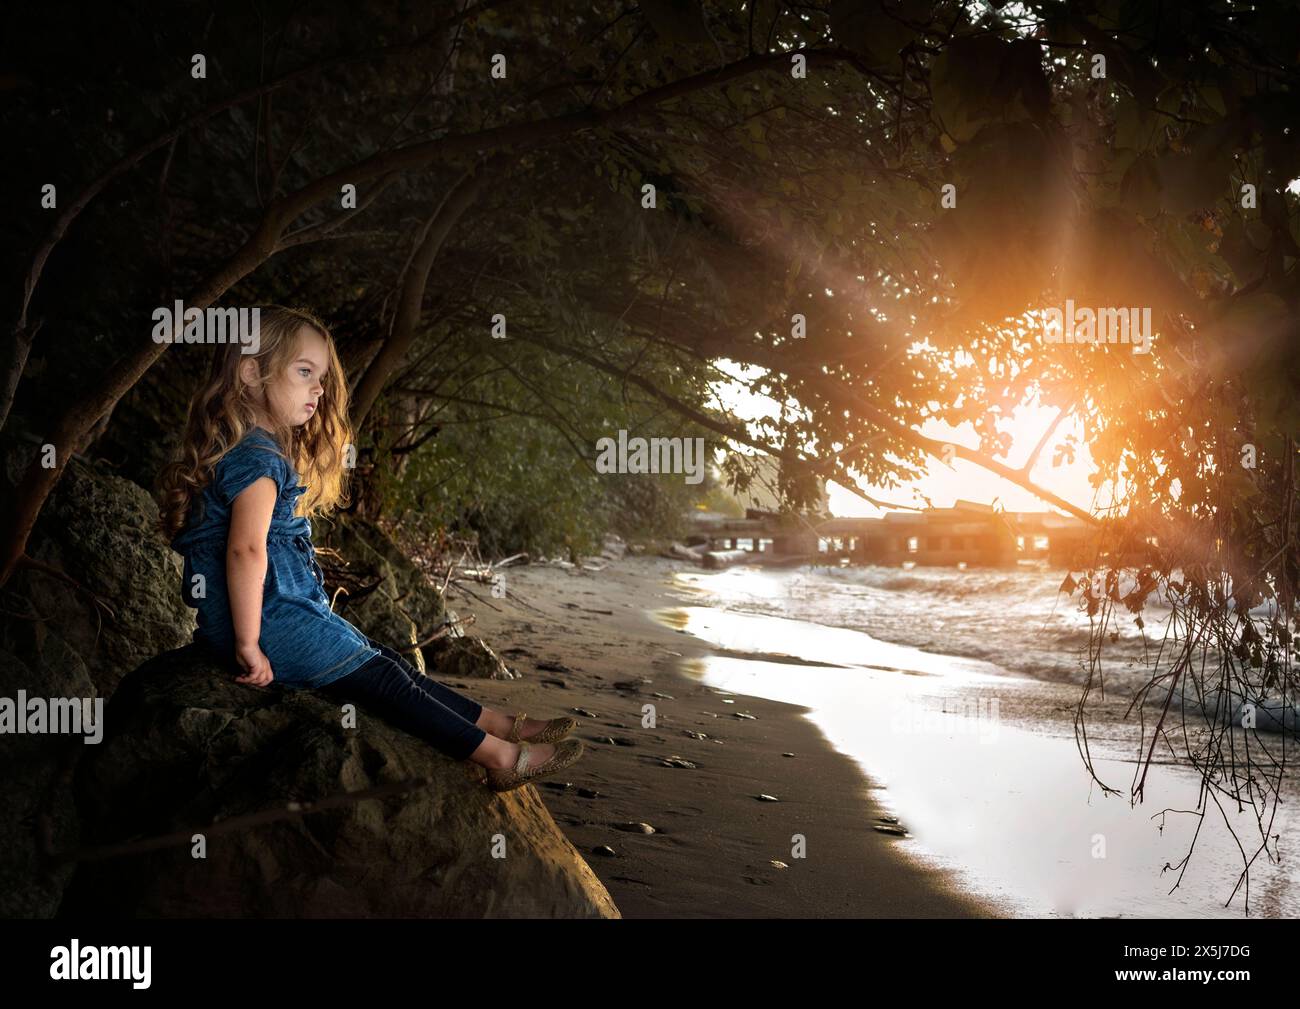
{"x":99,"y":529}
{"x":185,"y":747}
{"x":58,"y":644}
{"x":466,"y":657}
{"x":390,"y":599}
{"x":378,"y":589}
{"x":37,"y":804}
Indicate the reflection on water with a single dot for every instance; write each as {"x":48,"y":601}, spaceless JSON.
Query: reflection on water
{"x":983,"y":769}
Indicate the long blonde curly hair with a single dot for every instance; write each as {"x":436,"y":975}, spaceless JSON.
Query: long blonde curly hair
{"x":223,"y":411}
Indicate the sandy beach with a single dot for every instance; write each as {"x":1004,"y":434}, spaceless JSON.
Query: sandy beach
{"x":588,"y":642}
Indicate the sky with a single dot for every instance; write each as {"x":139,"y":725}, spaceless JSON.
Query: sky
{"x":945,"y":484}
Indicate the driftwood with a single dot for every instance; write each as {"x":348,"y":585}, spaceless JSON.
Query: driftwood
{"x":451,"y":627}
{"x":679,"y":552}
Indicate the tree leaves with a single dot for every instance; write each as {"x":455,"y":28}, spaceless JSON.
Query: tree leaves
{"x":875,"y":30}
{"x":983,"y":79}
{"x":1198,"y":176}
{"x":1009,"y":188}
{"x":680,"y":21}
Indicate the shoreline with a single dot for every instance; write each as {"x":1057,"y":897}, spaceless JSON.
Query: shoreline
{"x":715,"y":840}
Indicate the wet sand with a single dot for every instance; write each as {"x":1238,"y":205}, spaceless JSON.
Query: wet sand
{"x":715,"y":841}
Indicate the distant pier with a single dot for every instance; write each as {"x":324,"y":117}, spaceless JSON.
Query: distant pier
{"x":968,"y":533}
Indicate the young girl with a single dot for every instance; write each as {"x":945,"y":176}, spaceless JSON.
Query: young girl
{"x":236,"y":512}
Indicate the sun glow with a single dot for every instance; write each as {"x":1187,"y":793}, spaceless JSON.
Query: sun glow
{"x":945,"y":483}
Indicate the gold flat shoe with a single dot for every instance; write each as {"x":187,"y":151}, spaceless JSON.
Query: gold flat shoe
{"x":566,"y":752}
{"x":552,"y":732}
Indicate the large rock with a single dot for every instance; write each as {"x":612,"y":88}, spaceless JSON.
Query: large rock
{"x":462,"y":656}
{"x":185,"y":746}
{"x":403,"y":608}
{"x":100,"y":530}
{"x":384,"y":593}
{"x":417,"y":596}
{"x":38,"y":806}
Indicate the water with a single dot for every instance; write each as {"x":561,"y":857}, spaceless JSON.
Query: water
{"x":955,"y":692}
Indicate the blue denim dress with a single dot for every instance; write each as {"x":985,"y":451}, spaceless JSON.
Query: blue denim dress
{"x":307,"y":643}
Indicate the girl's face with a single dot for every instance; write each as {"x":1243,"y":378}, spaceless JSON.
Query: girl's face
{"x":293,"y":395}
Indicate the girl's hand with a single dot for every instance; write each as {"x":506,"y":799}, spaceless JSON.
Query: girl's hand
{"x":257,"y":666}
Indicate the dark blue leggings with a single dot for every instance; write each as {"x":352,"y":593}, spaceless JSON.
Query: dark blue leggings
{"x":421,"y":705}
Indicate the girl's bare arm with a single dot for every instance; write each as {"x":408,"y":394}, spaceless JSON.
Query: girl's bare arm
{"x":250,"y":519}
